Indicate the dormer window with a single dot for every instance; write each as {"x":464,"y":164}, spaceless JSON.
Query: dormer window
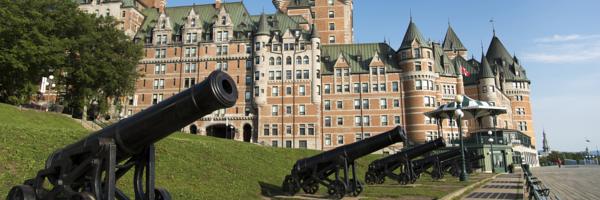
{"x":194,"y":22}
{"x":223,"y":20}
{"x":163,"y":24}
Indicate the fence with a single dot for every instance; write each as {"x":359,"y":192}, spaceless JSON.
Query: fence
{"x":535,"y":188}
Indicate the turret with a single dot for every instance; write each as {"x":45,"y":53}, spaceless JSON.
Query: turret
{"x":316,"y":64}
{"x":261,"y":39}
{"x":452,"y":45}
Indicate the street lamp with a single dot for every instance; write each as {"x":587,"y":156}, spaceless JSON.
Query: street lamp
{"x":491,"y":140}
{"x":459,"y":114}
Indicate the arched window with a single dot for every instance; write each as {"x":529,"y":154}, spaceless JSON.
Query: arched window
{"x":288,"y":60}
{"x":318,"y":73}
{"x":318,"y":58}
{"x":306,"y":60}
{"x":318,"y":45}
{"x":278,"y":60}
{"x":271,"y":61}
{"x":298,"y":60}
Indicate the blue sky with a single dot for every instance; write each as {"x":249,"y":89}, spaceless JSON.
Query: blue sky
{"x":558,"y":42}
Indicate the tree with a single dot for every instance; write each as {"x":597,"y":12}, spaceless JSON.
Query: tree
{"x":91,"y":58}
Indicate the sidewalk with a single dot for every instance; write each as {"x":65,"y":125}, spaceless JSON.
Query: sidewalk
{"x":504,"y":186}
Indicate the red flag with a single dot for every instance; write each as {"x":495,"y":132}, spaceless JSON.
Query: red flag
{"x":464,"y":71}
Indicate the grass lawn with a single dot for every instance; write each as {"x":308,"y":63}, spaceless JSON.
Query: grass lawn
{"x":190,"y":167}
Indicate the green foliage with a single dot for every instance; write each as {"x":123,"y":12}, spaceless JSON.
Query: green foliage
{"x":84,"y":52}
{"x":189,"y":166}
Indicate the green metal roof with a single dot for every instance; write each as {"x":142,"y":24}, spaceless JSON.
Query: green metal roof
{"x":263,"y":27}
{"x":486,"y":69}
{"x":452,"y":42}
{"x":413,"y":33}
{"x":299,"y":19}
{"x":443,"y":65}
{"x":278,"y":22}
{"x":352,"y":52}
{"x":472,"y":66}
{"x":502,"y":62}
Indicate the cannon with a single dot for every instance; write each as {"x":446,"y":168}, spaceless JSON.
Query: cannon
{"x":90,"y":168}
{"x":308,"y":173}
{"x":453,"y":165}
{"x":385,"y":167}
{"x":435,"y":162}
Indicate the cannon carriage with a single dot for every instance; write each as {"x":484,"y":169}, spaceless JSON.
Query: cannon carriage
{"x":90,"y":168}
{"x":308,"y":173}
{"x":401,"y":161}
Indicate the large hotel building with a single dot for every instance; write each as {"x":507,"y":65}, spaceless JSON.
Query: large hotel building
{"x":302,"y":81}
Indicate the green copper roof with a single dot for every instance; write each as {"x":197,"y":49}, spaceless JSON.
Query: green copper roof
{"x":278,"y":22}
{"x":505,"y":64}
{"x":472,"y":67}
{"x":413,"y":33}
{"x":358,"y":56}
{"x":263,"y":27}
{"x":299,"y":19}
{"x":451,"y":41}
{"x":443,"y":65}
{"x":486,"y":69}
{"x":300,"y":3}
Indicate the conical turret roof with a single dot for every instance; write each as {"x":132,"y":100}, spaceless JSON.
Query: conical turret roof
{"x":486,"y":69}
{"x":412,"y":34}
{"x":263,"y":26}
{"x":452,"y":42}
{"x":498,"y":51}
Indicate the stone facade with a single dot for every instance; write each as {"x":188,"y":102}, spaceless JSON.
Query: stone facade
{"x":299,"y":93}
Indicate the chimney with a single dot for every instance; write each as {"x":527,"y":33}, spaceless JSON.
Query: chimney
{"x":217,"y":4}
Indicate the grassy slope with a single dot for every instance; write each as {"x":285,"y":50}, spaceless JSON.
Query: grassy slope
{"x":190,"y":167}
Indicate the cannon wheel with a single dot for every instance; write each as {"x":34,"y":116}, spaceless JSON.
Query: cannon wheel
{"x":311,"y":188}
{"x":403,"y":179}
{"x":289,"y":185}
{"x":381,"y":179}
{"x":162,"y":194}
{"x":21,"y":192}
{"x":356,"y":188}
{"x":371,"y":178}
{"x":83,"y":196}
{"x":337,"y":189}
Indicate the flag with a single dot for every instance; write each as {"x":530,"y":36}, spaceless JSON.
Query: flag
{"x":464,"y":71}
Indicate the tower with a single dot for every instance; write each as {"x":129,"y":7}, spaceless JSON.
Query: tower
{"x":418,"y":80}
{"x":545,"y":147}
{"x":487,"y":88}
{"x":452,"y":45}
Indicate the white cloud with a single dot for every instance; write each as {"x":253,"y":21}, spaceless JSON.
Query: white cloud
{"x":574,"y":48}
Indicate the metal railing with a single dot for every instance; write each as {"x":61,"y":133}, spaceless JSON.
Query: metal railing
{"x":535,"y":188}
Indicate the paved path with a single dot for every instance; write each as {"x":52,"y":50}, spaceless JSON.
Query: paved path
{"x":504,"y":186}
{"x":571,"y":182}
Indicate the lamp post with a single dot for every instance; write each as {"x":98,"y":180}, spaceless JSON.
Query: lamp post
{"x":491,"y":140}
{"x":459,"y":114}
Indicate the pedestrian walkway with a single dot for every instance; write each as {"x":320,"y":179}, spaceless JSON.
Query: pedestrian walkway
{"x":504,"y":186}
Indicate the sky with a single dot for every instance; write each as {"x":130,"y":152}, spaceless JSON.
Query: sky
{"x":557,"y":41}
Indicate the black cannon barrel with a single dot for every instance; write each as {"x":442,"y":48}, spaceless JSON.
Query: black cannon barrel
{"x":414,"y":151}
{"x":355,"y":150}
{"x":134,"y":133}
{"x":441,"y":157}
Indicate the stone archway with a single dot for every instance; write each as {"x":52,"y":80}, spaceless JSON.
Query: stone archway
{"x":247,"y":133}
{"x":221,"y":131}
{"x":194,"y":129}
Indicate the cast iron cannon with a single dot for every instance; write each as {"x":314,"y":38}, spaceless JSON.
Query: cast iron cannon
{"x":385,"y":167}
{"x":435,"y":162}
{"x":453,"y":165}
{"x":309,"y":172}
{"x":90,"y":168}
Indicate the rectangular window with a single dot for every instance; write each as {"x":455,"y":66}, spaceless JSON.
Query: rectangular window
{"x":328,"y":139}
{"x":356,"y":103}
{"x":339,"y":105}
{"x":357,"y":121}
{"x":346,"y":72}
{"x":327,"y":105}
{"x":302,"y":144}
{"x":397,"y":120}
{"x":417,"y":52}
{"x":306,"y":74}
{"x":340,"y":139}
{"x":417,"y":66}
{"x":288,"y":144}
{"x":288,"y":90}
{"x":340,"y":121}
{"x":311,"y":129}
{"x":382,"y":87}
{"x":275,"y":110}
{"x":302,"y":129}
{"x":365,"y":87}
{"x":288,"y":129}
{"x":275,"y":129}
{"x":247,"y":96}
{"x":338,"y":88}
{"x":331,"y":26}
{"x":302,"y":90}
{"x":332,"y":39}
{"x":288,"y":110}
{"x":395,"y":86}
{"x":366,"y":120}
{"x":338,"y":72}
{"x":356,"y":87}
{"x":278,"y":75}
{"x":266,"y":130}
{"x":298,"y":74}
{"x":365,"y":104}
{"x":275,"y":91}
{"x":274,"y":143}
{"x":331,"y":14}
{"x":418,"y":85}
{"x":302,"y":110}
{"x":396,"y":103}
{"x":327,"y":121}
{"x":327,"y":88}
{"x":346,"y":88}
{"x":375,"y":87}
{"x":383,"y":103}
{"x":288,"y":74}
